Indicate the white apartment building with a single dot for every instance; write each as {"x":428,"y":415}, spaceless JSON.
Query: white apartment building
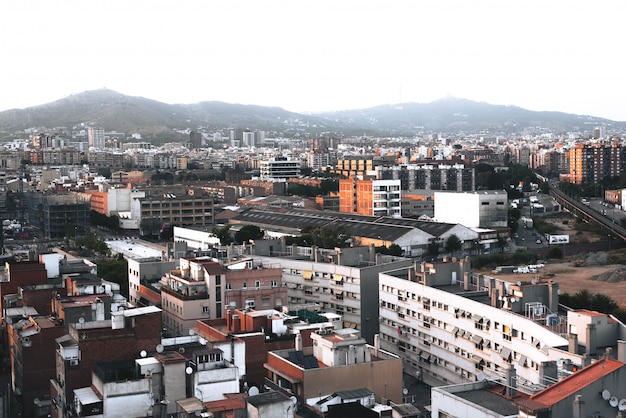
{"x":480,"y":209}
{"x":386,"y":196}
{"x":345,"y":283}
{"x":454,"y":327}
{"x":279,"y":168}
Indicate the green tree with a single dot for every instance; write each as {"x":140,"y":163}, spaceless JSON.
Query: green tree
{"x":555,"y":252}
{"x":453,"y":243}
{"x":247,"y":233}
{"x":433,"y":248}
{"x":393,"y":249}
{"x":223,"y":234}
{"x":115,"y":271}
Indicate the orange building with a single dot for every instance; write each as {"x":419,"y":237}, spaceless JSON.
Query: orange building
{"x":369,"y":197}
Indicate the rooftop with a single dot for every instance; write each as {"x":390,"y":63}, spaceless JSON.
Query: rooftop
{"x":572,"y":384}
{"x":266,"y":398}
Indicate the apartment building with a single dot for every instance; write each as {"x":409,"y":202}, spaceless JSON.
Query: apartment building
{"x":344,"y":283}
{"x":338,"y":360}
{"x":91,"y":342}
{"x":371,"y":197}
{"x":279,"y":168}
{"x":592,"y":163}
{"x":195,"y":291}
{"x":451,"y":326}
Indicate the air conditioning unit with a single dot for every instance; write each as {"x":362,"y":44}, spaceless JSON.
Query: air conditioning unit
{"x":74,"y":362}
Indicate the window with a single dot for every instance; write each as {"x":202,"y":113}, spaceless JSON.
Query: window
{"x":228,"y":286}
{"x":244,"y":285}
{"x":257,"y":284}
{"x":273,"y":283}
{"x":205,"y":309}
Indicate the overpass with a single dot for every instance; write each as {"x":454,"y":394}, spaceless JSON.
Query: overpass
{"x":615,"y":229}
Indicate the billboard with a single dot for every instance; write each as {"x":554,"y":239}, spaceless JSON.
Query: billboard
{"x":557,"y":239}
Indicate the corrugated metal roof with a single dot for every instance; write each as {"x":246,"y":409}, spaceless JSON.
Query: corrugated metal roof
{"x":354,"y":394}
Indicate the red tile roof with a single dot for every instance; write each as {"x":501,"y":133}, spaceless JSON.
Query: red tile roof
{"x":572,"y":384}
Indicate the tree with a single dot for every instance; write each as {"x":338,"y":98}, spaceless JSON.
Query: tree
{"x":326,"y":237}
{"x":393,"y":249}
{"x":247,"y":233}
{"x":453,"y":243}
{"x":223,"y":234}
{"x":433,"y":248}
{"x":555,"y":252}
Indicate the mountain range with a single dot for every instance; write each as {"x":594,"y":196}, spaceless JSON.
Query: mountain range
{"x":114,"y":111}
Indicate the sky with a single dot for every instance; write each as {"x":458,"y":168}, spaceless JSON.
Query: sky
{"x":322,"y":55}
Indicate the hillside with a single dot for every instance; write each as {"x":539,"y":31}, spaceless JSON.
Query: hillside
{"x":114,"y":111}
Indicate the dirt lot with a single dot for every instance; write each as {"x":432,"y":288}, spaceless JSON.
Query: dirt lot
{"x":597,"y":272}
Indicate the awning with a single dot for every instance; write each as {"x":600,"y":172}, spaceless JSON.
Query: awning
{"x":461,"y":312}
{"x":455,"y":331}
{"x":505,"y":353}
{"x":339,"y":294}
{"x":477,"y":339}
{"x":86,"y":396}
{"x":337,"y":278}
{"x":522,"y":360}
{"x":426,"y":301}
{"x":307,"y":274}
{"x":425,"y":355}
{"x":477,"y":318}
{"x":477,"y":359}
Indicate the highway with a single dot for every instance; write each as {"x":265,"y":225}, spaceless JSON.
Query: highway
{"x":612,"y":225}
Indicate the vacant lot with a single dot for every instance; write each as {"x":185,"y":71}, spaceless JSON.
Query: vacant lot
{"x":598,"y":273}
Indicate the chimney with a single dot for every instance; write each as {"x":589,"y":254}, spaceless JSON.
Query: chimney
{"x":372,"y":251}
{"x":573,"y":343}
{"x":553,"y":296}
{"x":621,"y":351}
{"x":511,"y":381}
{"x":466,"y":280}
{"x":608,"y":353}
{"x":298,"y":342}
{"x":376,"y":344}
{"x":548,"y":373}
{"x":579,"y":407}
{"x":591,"y":339}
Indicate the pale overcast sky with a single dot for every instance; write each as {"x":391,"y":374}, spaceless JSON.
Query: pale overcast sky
{"x":319,"y":55}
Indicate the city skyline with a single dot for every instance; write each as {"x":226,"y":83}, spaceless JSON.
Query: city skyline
{"x":317,"y":56}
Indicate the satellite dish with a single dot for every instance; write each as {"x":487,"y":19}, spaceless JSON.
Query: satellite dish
{"x":159,"y":348}
{"x":405,"y":391}
{"x":143,"y":353}
{"x":192,"y":332}
{"x":188,"y":370}
{"x":253,"y":391}
{"x":613,"y":401}
{"x":480,"y":377}
{"x":202,"y":341}
{"x":294,"y":400}
{"x":606,"y":395}
{"x":81,"y":320}
{"x":622,"y":405}
{"x":512,"y":300}
{"x":519,"y":283}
